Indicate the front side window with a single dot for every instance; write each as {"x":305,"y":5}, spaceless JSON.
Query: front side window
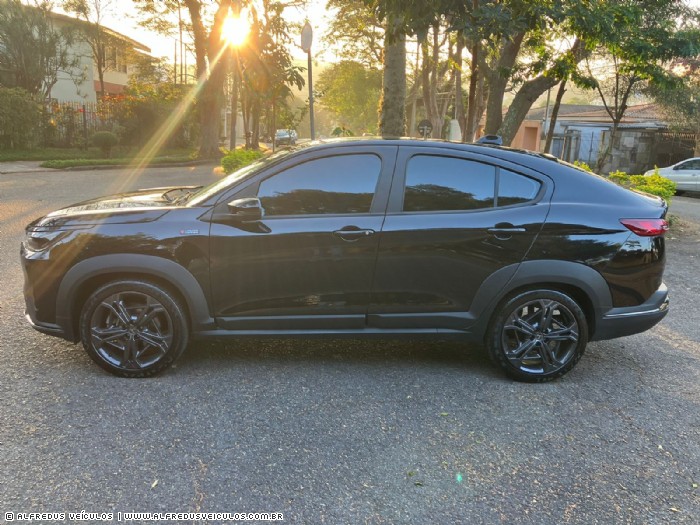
{"x":331,"y":185}
{"x":690,"y":165}
{"x":435,"y":183}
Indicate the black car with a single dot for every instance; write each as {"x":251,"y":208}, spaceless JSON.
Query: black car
{"x":357,"y":238}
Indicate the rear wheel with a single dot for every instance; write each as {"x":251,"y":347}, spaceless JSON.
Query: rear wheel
{"x":537,"y":336}
{"x":133,"y":328}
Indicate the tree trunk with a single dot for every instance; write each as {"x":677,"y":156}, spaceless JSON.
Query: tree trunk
{"x":531,"y":91}
{"x":459,"y":92}
{"x":471,"y":122}
{"x":553,"y":119}
{"x":211,"y":95}
{"x":526,"y":96}
{"x":392,"y":113}
{"x":498,"y":81}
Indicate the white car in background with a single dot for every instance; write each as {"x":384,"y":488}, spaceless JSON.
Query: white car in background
{"x":686,"y":174}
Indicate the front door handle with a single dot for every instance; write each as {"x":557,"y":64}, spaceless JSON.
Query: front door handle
{"x":352,"y":233}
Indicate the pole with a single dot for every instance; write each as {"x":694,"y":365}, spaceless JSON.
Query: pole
{"x":311,"y":98}
{"x":85,"y":133}
{"x":175,"y":64}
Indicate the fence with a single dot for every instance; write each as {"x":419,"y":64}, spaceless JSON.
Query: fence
{"x":71,"y":124}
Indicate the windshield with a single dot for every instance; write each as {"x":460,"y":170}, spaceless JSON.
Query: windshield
{"x":208,"y":191}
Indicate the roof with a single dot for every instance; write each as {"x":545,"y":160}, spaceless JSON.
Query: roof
{"x":111,"y":32}
{"x":638,"y":114}
{"x":564,"y":109}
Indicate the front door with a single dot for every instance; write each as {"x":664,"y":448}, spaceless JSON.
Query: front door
{"x":309,"y":263}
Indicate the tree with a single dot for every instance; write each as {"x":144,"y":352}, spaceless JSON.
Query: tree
{"x":356,"y":31}
{"x":32,"y":51}
{"x":267,"y":70}
{"x":646,"y":36}
{"x":681,"y":100}
{"x":351,"y":91}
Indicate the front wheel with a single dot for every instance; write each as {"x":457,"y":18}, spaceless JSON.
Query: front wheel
{"x":133,"y":328}
{"x":537,"y":336}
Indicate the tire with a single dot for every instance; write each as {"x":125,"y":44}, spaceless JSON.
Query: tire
{"x":538,"y":335}
{"x":133,"y":328}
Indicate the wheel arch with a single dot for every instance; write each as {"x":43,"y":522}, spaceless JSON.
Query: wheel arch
{"x":87,"y":275}
{"x":582,"y":283}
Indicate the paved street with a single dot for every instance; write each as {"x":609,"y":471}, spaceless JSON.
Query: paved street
{"x":347,"y":432}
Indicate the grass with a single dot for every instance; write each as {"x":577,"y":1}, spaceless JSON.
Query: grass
{"x":118,"y":161}
{"x":72,"y":157}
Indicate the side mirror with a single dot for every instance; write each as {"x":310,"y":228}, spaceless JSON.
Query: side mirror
{"x":248,"y":209}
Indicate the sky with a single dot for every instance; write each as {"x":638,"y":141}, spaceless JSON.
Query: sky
{"x":124,"y":19}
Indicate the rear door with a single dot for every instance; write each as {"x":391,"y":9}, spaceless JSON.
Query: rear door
{"x":454,"y":219}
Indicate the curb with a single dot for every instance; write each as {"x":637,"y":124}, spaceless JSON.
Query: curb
{"x":38,"y":169}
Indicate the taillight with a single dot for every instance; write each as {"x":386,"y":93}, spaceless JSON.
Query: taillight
{"x":646,"y":227}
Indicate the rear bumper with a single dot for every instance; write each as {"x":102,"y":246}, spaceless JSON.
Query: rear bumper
{"x":620,"y":322}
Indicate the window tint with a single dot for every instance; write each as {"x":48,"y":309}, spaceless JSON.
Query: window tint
{"x":514,"y":188}
{"x":445,"y":183}
{"x":331,"y":185}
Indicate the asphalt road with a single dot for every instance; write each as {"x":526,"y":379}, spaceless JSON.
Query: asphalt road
{"x":346,"y":432}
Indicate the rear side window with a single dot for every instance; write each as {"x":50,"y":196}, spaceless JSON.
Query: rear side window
{"x":514,"y":188}
{"x":332,"y":185}
{"x":435,"y":183}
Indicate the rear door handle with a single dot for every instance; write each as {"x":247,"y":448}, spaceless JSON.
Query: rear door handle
{"x":351,"y":234}
{"x":505,"y":230}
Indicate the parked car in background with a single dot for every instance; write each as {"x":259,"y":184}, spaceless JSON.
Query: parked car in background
{"x":285,"y":137}
{"x":357,"y":238}
{"x":686,"y":174}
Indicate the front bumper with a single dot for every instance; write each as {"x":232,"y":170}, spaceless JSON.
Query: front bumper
{"x":620,"y":322}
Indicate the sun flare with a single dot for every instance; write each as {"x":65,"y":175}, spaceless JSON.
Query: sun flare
{"x":235,"y":29}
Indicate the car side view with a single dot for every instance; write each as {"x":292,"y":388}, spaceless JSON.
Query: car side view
{"x":356,"y":238}
{"x":686,"y":174}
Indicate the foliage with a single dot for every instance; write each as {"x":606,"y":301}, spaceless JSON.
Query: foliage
{"x":356,"y":31}
{"x":105,"y":140}
{"x":20,"y":118}
{"x":342,"y":131}
{"x":143,"y":109}
{"x":351,"y":91}
{"x":680,"y":101}
{"x":654,"y":184}
{"x":236,"y":159}
{"x":32,"y":51}
{"x":582,"y":165}
{"x":265,"y":66}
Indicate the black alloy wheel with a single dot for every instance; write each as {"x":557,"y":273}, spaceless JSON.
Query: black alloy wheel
{"x":538,"y":335}
{"x":133,"y":328}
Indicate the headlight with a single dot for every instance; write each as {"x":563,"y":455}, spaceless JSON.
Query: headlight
{"x":42,"y":238}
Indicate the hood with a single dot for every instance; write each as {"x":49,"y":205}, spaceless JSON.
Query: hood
{"x":136,"y":206}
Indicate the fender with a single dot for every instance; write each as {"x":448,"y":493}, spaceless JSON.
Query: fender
{"x":533,"y":273}
{"x":164,"y":269}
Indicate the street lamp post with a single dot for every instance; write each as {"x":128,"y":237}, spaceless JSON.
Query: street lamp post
{"x":307,"y":36}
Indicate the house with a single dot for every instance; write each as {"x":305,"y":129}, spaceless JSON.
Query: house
{"x":82,"y":85}
{"x":582,"y":132}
